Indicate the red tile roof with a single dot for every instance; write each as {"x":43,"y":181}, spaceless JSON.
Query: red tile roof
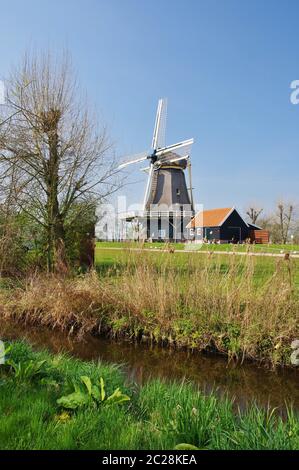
{"x":210,"y":218}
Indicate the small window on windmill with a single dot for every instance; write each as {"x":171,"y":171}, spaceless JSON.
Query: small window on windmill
{"x":178,"y":192}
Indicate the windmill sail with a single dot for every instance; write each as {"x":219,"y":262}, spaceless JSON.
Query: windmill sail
{"x":166,"y":189}
{"x":139,"y":157}
{"x":148,"y":186}
{"x":181,"y":148}
{"x":160,"y":125}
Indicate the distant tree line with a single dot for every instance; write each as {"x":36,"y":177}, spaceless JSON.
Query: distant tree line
{"x":282,"y":222}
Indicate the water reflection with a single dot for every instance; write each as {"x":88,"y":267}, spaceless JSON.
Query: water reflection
{"x":246,"y":383}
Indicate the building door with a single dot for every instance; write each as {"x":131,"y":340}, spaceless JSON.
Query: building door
{"x":234,"y":234}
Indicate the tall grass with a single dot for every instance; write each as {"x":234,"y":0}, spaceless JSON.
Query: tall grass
{"x":158,"y":416}
{"x":211,"y":305}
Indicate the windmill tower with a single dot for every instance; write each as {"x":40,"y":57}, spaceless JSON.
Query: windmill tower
{"x":168,"y":202}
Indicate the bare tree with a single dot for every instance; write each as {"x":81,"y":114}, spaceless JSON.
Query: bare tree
{"x":52,"y":144}
{"x":284,"y":219}
{"x":253,"y":213}
{"x":2,"y":103}
{"x":296,"y":233}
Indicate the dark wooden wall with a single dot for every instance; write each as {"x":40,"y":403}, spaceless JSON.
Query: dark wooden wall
{"x":231,"y":227}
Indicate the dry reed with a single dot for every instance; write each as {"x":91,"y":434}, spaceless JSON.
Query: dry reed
{"x":206,"y":306}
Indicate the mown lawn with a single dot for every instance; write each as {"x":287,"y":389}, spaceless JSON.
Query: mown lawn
{"x":156,"y":416}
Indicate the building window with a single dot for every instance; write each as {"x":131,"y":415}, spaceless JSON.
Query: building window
{"x":178,"y":192}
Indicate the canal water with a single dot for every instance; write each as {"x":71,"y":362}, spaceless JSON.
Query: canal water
{"x":245,"y":383}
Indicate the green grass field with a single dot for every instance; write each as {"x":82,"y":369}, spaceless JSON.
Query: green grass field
{"x":108,"y":258}
{"x":156,"y":416}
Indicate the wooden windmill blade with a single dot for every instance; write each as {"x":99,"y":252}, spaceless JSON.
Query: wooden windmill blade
{"x":160,"y":125}
{"x":190,"y":184}
{"x":148,"y":186}
{"x":139,"y":157}
{"x":181,"y":149}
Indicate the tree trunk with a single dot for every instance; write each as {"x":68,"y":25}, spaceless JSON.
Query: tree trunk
{"x":56,"y":232}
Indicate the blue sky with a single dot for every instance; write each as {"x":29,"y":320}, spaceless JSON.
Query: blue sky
{"x":225,"y":66}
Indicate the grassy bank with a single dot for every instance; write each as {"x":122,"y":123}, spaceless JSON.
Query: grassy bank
{"x":157,"y":416}
{"x":242,"y":307}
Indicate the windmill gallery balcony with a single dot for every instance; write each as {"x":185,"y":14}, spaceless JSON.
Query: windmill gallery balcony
{"x":156,"y":225}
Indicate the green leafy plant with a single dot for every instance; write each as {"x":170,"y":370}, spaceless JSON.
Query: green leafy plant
{"x":28,"y":370}
{"x":184,"y":446}
{"x":86,"y":393}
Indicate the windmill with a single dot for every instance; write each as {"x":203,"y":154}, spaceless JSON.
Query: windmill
{"x":167,"y":198}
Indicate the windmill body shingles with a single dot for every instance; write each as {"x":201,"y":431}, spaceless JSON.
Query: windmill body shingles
{"x":168,"y":189}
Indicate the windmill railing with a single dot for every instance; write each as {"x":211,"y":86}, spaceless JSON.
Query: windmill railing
{"x":156,"y":214}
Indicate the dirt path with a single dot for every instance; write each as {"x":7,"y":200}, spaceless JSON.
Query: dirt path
{"x":206,"y":252}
